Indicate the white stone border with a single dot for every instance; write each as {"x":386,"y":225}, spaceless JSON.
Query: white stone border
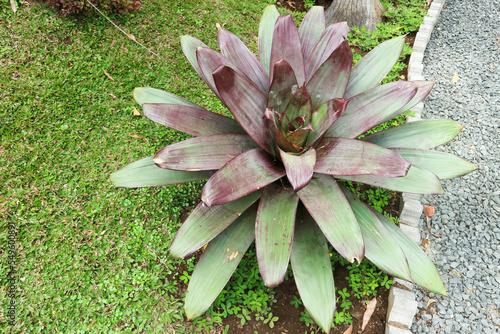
{"x":402,"y":304}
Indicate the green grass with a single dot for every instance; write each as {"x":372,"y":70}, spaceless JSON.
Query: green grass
{"x":91,"y":257}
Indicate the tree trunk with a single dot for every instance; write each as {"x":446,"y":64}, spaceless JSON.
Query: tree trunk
{"x":356,"y":13}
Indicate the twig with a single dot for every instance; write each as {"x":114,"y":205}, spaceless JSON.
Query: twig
{"x":429,"y":229}
{"x":117,"y":27}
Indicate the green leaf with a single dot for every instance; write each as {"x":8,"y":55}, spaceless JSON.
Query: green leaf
{"x":373,"y":67}
{"x":312,"y":270}
{"x":266,"y":31}
{"x":274,"y":232}
{"x":380,"y":247}
{"x":311,"y":29}
{"x":217,"y":264}
{"x":444,"y":165}
{"x":205,"y":223}
{"x":425,"y":134}
{"x":423,"y":271}
{"x":189,"y":46}
{"x":328,"y":206}
{"x":145,"y":173}
{"x":418,"y":180}
{"x":151,"y":95}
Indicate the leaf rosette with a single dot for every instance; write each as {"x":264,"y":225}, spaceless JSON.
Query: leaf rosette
{"x":272,"y":171}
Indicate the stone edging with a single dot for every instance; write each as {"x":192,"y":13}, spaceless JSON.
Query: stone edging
{"x":402,"y":304}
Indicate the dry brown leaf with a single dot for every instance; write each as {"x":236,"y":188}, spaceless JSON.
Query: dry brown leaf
{"x":428,"y":211}
{"x":132,"y":37}
{"x":13,"y":5}
{"x":455,"y":78}
{"x":138,"y":137}
{"x":113,"y":96}
{"x":370,"y":308}
{"x":431,"y":301}
{"x":426,"y":242}
{"x":109,"y":76}
{"x":136,"y":112}
{"x":348,"y":330}
{"x":455,"y":272}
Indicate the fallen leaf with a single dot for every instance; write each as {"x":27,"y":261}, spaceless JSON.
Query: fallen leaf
{"x":109,"y":76}
{"x":370,"y":308}
{"x":132,"y":37}
{"x":431,"y":301}
{"x":429,"y":211}
{"x":13,"y":5}
{"x":233,"y":256}
{"x":349,"y":330}
{"x":138,"y":137}
{"x":455,"y":272}
{"x":455,"y":78}
{"x":113,"y":96}
{"x":136,"y":112}
{"x":426,"y":242}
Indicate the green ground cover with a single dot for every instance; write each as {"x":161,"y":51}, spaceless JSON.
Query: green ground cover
{"x":90,"y":257}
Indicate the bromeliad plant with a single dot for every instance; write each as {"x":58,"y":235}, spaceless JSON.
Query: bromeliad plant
{"x":273,"y":171}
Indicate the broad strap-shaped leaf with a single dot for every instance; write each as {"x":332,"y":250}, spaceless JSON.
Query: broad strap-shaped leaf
{"x":151,"y":95}
{"x":286,"y":46}
{"x":373,"y":67}
{"x":274,"y":232}
{"x":418,"y":181}
{"x":423,"y":271}
{"x":370,"y":108}
{"x":248,"y":172}
{"x":218,"y":263}
{"x":444,"y":165}
{"x":380,"y":247}
{"x":266,"y":31}
{"x":246,"y":102}
{"x":195,"y":121}
{"x":145,"y":173}
{"x":330,"y":80}
{"x":205,"y":223}
{"x":323,"y":118}
{"x":423,"y":89}
{"x":331,"y":38}
{"x":328,"y":206}
{"x":311,"y":29}
{"x":424,"y":134}
{"x":189,"y":46}
{"x":299,"y":168}
{"x":203,"y":153}
{"x":312,"y":270}
{"x":343,"y":156}
{"x":281,"y":90}
{"x":209,"y":61}
{"x":233,"y":49}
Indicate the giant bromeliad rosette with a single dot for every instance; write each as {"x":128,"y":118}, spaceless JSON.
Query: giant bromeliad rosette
{"x":273,"y":170}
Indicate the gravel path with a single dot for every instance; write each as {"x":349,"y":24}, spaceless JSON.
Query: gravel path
{"x":466,"y":42}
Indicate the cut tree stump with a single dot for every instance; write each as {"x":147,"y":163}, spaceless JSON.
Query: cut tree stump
{"x":356,"y":13}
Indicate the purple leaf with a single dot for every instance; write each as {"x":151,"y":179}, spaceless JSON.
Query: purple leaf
{"x":189,"y":46}
{"x":331,"y":38}
{"x":246,"y":102}
{"x":237,"y":52}
{"x":299,"y":168}
{"x":205,"y":223}
{"x":248,"y":172}
{"x":311,"y":28}
{"x":299,"y":105}
{"x":330,"y":80}
{"x":326,"y":203}
{"x":274,"y":232}
{"x":203,"y":153}
{"x":370,"y":108}
{"x":280,"y":92}
{"x":286,"y":46}
{"x":423,"y":89}
{"x":209,"y":61}
{"x":194,"y":121}
{"x":343,"y":156}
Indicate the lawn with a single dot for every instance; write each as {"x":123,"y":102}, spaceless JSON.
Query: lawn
{"x":91,"y":257}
